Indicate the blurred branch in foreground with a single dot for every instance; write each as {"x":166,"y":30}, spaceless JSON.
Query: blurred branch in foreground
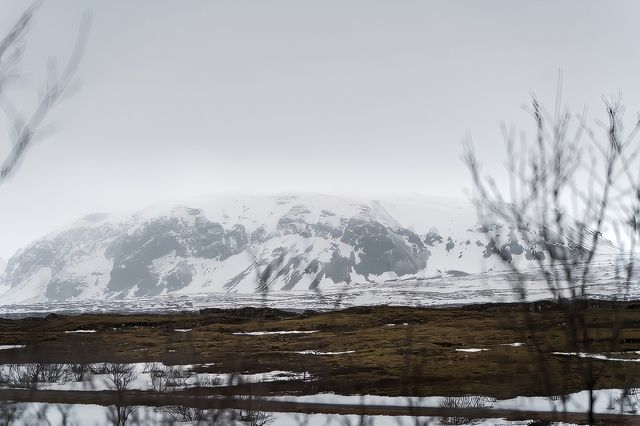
{"x":24,"y":127}
{"x":571,"y":205}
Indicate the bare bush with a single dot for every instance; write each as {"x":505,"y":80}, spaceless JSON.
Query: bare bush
{"x":99,"y":368}
{"x":184,"y":414}
{"x":119,"y":415}
{"x":166,"y":377}
{"x":206,"y":381}
{"x":31,"y":375}
{"x":566,"y":189}
{"x":463,"y":402}
{"x":78,"y":372}
{"x":255,"y":418}
{"x":120,"y":376}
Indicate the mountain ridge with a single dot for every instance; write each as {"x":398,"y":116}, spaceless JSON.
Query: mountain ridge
{"x":253,"y":243}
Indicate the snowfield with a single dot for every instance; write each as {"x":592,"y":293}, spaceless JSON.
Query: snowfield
{"x":436,"y":291}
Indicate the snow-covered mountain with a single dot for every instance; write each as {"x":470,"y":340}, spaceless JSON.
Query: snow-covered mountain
{"x":246,"y":244}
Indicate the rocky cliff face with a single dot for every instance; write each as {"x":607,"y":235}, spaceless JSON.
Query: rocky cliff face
{"x":252,"y":244}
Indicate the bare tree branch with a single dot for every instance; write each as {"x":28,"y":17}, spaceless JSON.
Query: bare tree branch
{"x":23,"y":130}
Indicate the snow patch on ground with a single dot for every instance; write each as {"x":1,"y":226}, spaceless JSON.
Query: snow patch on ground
{"x":264,"y":333}
{"x":6,"y":347}
{"x":597,"y":356}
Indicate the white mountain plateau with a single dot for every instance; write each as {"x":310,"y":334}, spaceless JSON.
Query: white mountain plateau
{"x":256,"y":243}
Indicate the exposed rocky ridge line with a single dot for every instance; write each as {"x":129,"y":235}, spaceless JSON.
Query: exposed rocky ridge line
{"x":257,"y":243}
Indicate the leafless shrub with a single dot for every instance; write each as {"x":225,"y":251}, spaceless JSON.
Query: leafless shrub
{"x":206,"y":382}
{"x":629,"y":401}
{"x":463,"y":402}
{"x":255,"y":418}
{"x":99,"y":368}
{"x":184,"y":414}
{"x":30,"y":375}
{"x":119,"y":414}
{"x":78,"y":372}
{"x":565,"y":190}
{"x":120,"y":376}
{"x":166,"y":377}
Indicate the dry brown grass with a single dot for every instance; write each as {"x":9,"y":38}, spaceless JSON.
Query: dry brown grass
{"x":419,"y":358}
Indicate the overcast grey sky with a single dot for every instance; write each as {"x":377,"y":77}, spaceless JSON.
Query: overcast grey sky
{"x":181,"y":98}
